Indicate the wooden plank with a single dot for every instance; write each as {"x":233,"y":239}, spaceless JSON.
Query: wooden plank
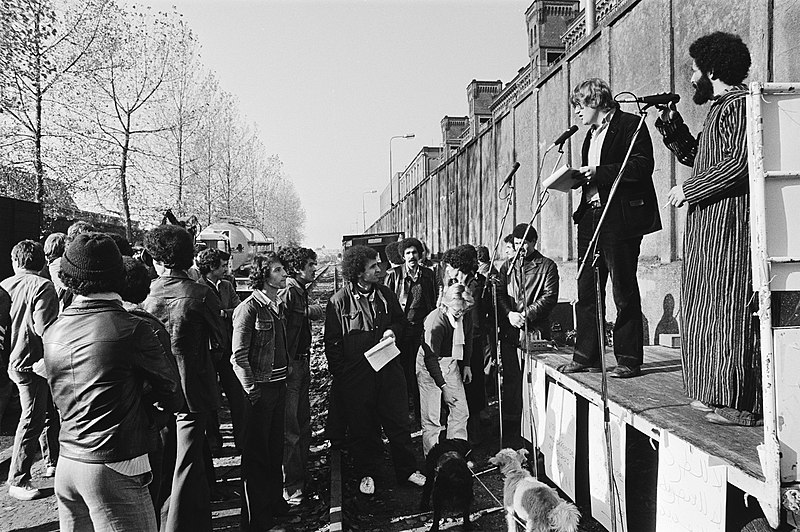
{"x":656,"y":401}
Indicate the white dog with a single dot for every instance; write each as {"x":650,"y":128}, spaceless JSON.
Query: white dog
{"x":537,"y":504}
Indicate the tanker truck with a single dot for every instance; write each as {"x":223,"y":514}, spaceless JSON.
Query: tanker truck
{"x":241,"y":242}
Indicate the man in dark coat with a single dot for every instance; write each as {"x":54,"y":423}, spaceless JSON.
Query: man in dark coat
{"x":357,"y":317}
{"x":633,"y":213}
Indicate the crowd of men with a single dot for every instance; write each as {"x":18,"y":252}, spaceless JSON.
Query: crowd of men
{"x":119,"y":356}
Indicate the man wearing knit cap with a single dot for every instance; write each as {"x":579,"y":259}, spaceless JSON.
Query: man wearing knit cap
{"x":191,"y":313}
{"x":105,"y":367}
{"x":527,"y":293}
{"x":34,"y":306}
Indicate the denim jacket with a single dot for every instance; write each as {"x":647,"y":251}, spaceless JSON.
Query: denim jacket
{"x":254,"y":339}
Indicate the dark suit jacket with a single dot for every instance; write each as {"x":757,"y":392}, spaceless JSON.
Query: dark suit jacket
{"x":634,"y":211}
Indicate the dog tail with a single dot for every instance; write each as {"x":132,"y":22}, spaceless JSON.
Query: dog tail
{"x":564,"y":517}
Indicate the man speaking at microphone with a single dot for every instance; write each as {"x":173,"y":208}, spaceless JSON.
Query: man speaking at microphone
{"x":632,"y":213}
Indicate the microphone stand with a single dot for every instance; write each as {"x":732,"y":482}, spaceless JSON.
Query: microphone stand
{"x":601,"y":336}
{"x":522,"y":286}
{"x":489,"y":280}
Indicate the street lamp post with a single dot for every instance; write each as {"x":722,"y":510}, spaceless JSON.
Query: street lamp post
{"x":391,"y":174}
{"x":363,"y":208}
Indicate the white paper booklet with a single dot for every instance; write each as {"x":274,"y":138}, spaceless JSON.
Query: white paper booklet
{"x":382,"y":353}
{"x":562,"y":179}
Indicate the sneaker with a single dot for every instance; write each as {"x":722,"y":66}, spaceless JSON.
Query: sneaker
{"x":367,"y":486}
{"x":24,"y":492}
{"x":417,"y":478}
{"x":49,"y":471}
{"x":295,"y":498}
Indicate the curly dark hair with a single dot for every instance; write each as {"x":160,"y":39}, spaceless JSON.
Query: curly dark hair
{"x":392,"y":254}
{"x":170,"y":245}
{"x":409,"y":242}
{"x":354,"y":261}
{"x":295,"y":258}
{"x":210,"y":259}
{"x":137,"y":280}
{"x":463,"y":258}
{"x":722,"y":54}
{"x":259,"y":270}
{"x":483,"y":253}
{"x":29,"y":255}
{"x":84,"y":288}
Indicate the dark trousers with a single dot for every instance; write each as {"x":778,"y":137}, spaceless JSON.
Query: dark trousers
{"x":229,"y":383}
{"x":409,"y":346}
{"x":297,"y":438}
{"x":33,"y":398}
{"x":374,"y":400}
{"x":512,"y":394}
{"x":161,"y":460}
{"x":262,"y":458}
{"x":618,"y":258}
{"x":476,"y":389}
{"x":188,"y":506}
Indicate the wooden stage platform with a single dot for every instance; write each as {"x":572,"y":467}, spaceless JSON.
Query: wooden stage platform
{"x":655,"y":401}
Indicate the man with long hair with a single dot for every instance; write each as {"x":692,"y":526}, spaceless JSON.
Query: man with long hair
{"x":632,"y":213}
{"x":719,"y":340}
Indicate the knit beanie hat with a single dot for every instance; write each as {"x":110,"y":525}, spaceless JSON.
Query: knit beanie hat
{"x":93,"y":257}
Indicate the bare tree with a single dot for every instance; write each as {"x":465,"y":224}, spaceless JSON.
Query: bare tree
{"x":45,"y":42}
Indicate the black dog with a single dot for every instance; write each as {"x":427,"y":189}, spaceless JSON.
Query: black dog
{"x":449,"y":480}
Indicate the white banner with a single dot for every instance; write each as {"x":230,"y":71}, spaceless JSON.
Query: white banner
{"x":598,"y":468}
{"x":691,"y":488}
{"x":533,"y":403}
{"x":559,"y":439}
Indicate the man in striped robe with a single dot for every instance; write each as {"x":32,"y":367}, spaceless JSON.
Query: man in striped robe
{"x":719,"y":339}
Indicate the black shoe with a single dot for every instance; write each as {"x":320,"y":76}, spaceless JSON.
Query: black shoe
{"x":577,"y":367}
{"x":624,"y":372}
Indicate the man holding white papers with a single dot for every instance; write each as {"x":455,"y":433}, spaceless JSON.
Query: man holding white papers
{"x":357,"y":317}
{"x":633,"y":213}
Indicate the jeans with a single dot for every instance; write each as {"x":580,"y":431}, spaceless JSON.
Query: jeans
{"x":430,"y":397}
{"x":48,"y":439}
{"x":297,"y":438}
{"x":262,"y":457}
{"x":95,"y":497}
{"x":189,"y":504}
{"x":409,"y":345}
{"x":511,"y":395}
{"x":33,"y":398}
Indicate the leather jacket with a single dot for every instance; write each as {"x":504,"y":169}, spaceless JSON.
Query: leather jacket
{"x":541,"y":291}
{"x":353,"y":325}
{"x":99,"y":359}
{"x":191,"y":313}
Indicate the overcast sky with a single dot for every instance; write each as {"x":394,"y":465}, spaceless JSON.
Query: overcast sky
{"x":329,"y":82}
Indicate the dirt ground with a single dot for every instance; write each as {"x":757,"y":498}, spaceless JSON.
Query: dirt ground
{"x":393,"y":508}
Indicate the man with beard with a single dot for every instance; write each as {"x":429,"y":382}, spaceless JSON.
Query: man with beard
{"x":415,"y":288}
{"x":632,"y":213}
{"x":719,"y":336}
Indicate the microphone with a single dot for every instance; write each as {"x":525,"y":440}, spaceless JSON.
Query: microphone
{"x":563,"y":137}
{"x":510,"y":175}
{"x":656,"y":99}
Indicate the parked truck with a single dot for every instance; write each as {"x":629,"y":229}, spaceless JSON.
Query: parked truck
{"x":241,"y":242}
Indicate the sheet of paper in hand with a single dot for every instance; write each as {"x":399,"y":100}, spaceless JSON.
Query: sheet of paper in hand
{"x":382,"y":353}
{"x":562,"y":179}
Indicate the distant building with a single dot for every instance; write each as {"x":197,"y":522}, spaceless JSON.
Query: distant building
{"x":548,"y":21}
{"x":420,"y":167}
